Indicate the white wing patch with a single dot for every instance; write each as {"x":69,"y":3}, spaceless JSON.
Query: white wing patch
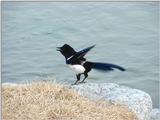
{"x":70,"y":57}
{"x":78,"y":69}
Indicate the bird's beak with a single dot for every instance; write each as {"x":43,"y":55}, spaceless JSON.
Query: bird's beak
{"x":58,"y":48}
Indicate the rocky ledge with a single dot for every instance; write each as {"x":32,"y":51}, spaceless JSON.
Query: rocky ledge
{"x":136,"y":100}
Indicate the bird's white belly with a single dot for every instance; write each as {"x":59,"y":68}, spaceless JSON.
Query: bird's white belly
{"x":78,"y":69}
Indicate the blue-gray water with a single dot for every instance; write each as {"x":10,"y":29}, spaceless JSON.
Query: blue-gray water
{"x":125,"y":33}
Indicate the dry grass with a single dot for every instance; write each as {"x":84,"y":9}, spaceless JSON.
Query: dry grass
{"x":50,"y":101}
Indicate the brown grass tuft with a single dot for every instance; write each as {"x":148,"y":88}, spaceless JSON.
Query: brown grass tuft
{"x":50,"y":101}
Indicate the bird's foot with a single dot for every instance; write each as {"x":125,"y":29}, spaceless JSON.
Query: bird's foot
{"x":74,"y":84}
{"x":82,"y":82}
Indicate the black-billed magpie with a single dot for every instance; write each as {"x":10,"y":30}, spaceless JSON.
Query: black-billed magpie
{"x":77,"y":62}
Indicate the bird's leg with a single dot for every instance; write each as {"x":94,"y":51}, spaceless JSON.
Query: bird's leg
{"x":78,"y":78}
{"x":85,"y":76}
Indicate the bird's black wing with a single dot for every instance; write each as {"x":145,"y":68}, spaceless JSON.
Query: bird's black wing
{"x":79,"y":55}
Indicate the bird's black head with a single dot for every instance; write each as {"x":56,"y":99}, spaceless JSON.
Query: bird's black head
{"x":66,"y":50}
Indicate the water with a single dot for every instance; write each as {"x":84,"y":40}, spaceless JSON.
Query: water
{"x":125,"y":33}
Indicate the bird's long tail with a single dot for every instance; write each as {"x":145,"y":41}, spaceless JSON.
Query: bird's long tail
{"x":105,"y":66}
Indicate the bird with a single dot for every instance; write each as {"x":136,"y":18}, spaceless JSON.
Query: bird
{"x":78,"y":63}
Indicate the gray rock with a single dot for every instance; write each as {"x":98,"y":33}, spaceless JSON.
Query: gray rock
{"x":155,"y":114}
{"x":137,"y":101}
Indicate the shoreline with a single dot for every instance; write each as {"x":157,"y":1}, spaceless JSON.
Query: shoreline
{"x":64,"y":84}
